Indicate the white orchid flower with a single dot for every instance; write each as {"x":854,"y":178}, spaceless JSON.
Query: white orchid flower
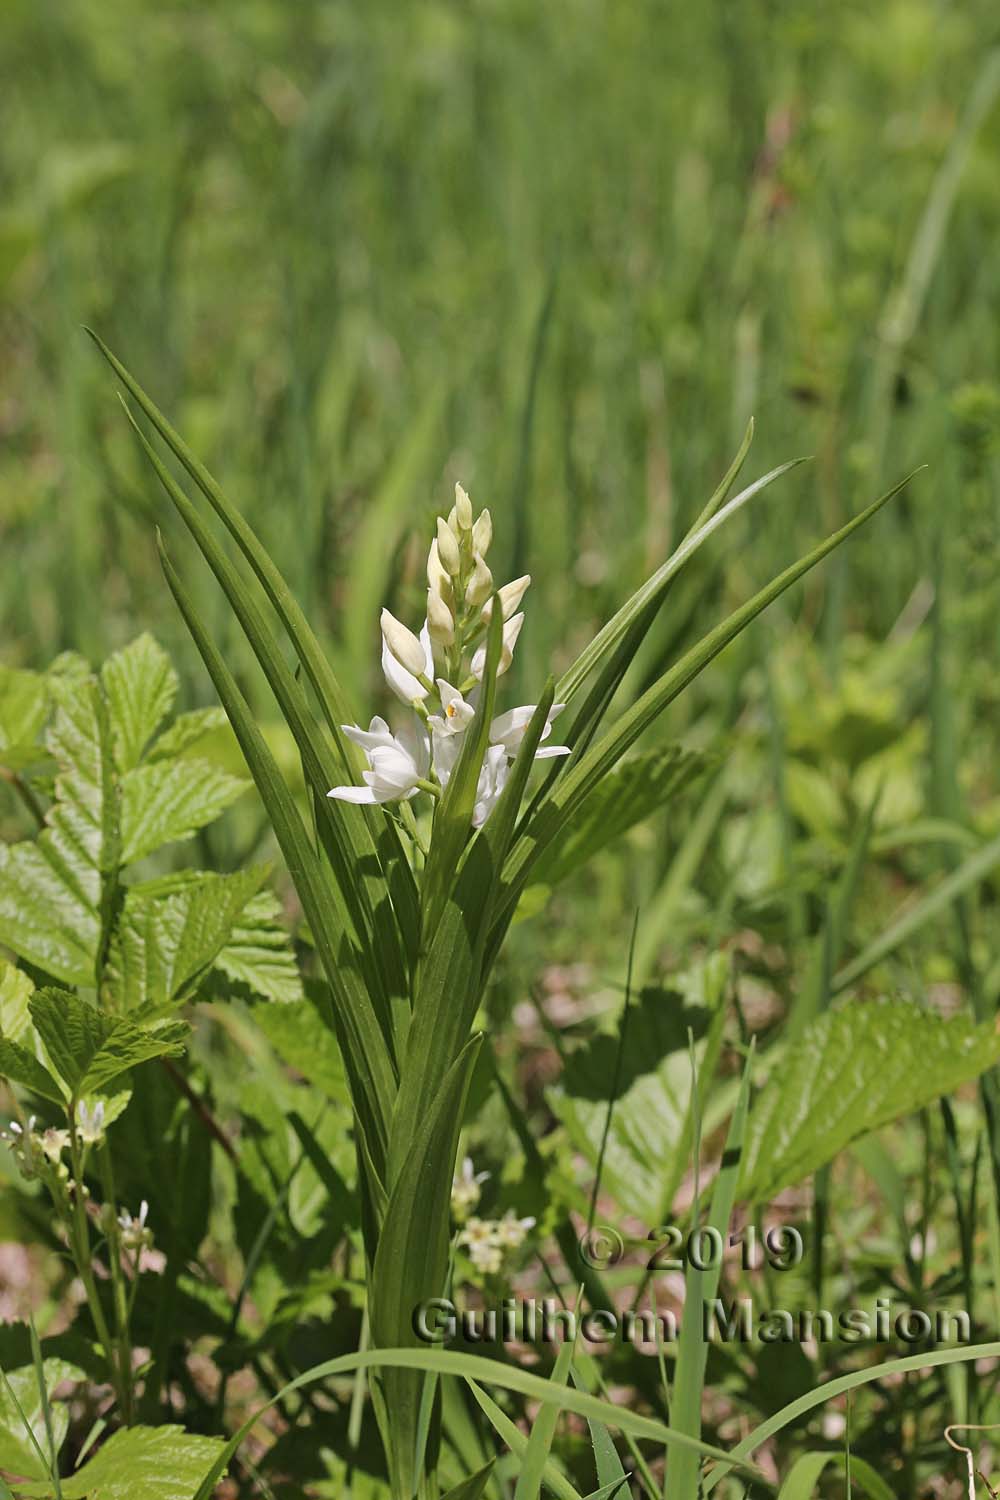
{"x":509,"y":729}
{"x":448,"y":729}
{"x":404,"y":684}
{"x":511,"y":631}
{"x":492,"y":780}
{"x":398,"y":763}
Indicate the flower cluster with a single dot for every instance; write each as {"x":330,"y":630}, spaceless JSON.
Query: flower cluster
{"x":466,"y":1190}
{"x":489,"y":1240}
{"x":438,"y":675}
{"x":37,"y":1153}
{"x":134,"y":1233}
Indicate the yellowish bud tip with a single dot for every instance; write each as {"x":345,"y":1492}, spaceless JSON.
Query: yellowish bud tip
{"x":463,"y":509}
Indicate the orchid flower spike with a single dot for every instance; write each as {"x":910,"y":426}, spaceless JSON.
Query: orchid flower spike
{"x":398,"y":763}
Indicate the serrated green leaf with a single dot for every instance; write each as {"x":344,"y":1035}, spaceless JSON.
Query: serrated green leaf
{"x":171,"y":932}
{"x":89,"y":1049}
{"x":855,"y":1069}
{"x":18,"y":1065}
{"x":156,"y":1463}
{"x":53,"y":891}
{"x":631,"y":792}
{"x":16,"y":989}
{"x":649,"y":1137}
{"x":24,"y":707}
{"x":18,"y":1454}
{"x":259,"y":955}
{"x":170,"y":800}
{"x":185,"y":732}
{"x":140,"y":685}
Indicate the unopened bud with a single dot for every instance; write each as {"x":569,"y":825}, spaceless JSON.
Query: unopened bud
{"x":463,"y":509}
{"x":482,"y":533}
{"x":480,"y":584}
{"x":510,"y":597}
{"x":440,"y":621}
{"x":437,"y":578}
{"x":511,"y":631}
{"x":448,"y":552}
{"x":403,"y":644}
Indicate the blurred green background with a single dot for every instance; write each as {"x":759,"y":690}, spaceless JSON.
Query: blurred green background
{"x":561,"y":252}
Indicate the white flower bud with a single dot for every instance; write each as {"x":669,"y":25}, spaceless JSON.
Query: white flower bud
{"x":482,"y":533}
{"x":437,"y":578}
{"x":403,"y":644}
{"x":480,"y":584}
{"x":511,"y":631}
{"x":448,"y":552}
{"x":463,"y":509}
{"x":440,"y":621}
{"x":510,"y":597}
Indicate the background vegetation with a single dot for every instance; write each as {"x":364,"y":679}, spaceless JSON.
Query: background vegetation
{"x":563,"y":253}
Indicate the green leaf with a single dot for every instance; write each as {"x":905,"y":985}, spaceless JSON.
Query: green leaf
{"x":473,"y":1487}
{"x":516,"y":1441}
{"x":24,"y":707}
{"x":89,"y":1049}
{"x":805,"y":1474}
{"x":171,"y":932}
{"x":631,"y":792}
{"x":140,"y":685}
{"x":301,"y":1039}
{"x":170,"y":800}
{"x":855,"y":1069}
{"x":543,"y":1430}
{"x":650,"y":1133}
{"x":258,"y":954}
{"x":18,"y":1454}
{"x":54,"y":891}
{"x":18,"y":1065}
{"x":578,"y":781}
{"x":156,"y":1463}
{"x":412,"y":1256}
{"x":16,"y":989}
{"x":186,"y":730}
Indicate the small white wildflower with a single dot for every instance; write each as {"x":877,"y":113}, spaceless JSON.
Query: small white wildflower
{"x":466,"y":1190}
{"x":487,"y":1258}
{"x":54,"y":1143}
{"x":90,"y":1122}
{"x":511,"y":1232}
{"x":397,"y":762}
{"x":408,"y":688}
{"x":511,"y":631}
{"x":135,"y":1235}
{"x":508,"y":730}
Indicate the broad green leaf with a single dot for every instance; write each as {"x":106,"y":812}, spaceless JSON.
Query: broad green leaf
{"x":186,"y":731}
{"x":649,"y":1138}
{"x":54,"y":890}
{"x":854,"y":1070}
{"x":89,"y":1049}
{"x":154,"y":1463}
{"x":805,"y":1473}
{"x":171,"y":932}
{"x":18,"y":1454}
{"x":18,"y":1065}
{"x":140,"y":685}
{"x":24,"y":707}
{"x":473,"y":1487}
{"x":299,"y":1036}
{"x":16,"y":990}
{"x":633,"y":791}
{"x":258,"y":954}
{"x":170,"y":800}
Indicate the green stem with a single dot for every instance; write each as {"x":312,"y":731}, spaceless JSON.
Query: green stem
{"x":119,"y":1289}
{"x":80,"y":1246}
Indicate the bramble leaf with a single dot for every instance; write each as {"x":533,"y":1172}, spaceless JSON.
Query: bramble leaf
{"x":158,"y":1463}
{"x":258,"y":954}
{"x":855,"y":1069}
{"x":18,"y":1454}
{"x":170,"y":800}
{"x":140,"y":685}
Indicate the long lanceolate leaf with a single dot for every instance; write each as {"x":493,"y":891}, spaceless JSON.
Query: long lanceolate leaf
{"x":365,"y":1048}
{"x":578,"y":780}
{"x":314,"y":662}
{"x":361,"y":909}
